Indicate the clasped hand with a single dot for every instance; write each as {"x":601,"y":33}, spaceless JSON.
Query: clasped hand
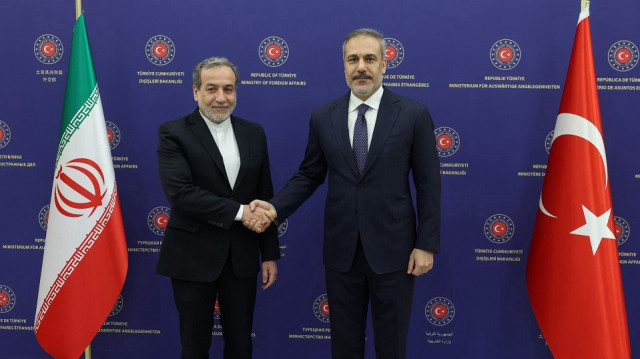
{"x":258,"y":215}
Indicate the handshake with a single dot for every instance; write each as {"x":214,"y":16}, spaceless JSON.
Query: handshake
{"x":258,"y":215}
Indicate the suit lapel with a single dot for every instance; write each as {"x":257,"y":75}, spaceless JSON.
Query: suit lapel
{"x":387,"y":116}
{"x":340,"y":124}
{"x":244,"y":147}
{"x":201,"y":131}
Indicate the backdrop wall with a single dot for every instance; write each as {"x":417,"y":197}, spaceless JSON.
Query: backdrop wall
{"x":491,"y":72}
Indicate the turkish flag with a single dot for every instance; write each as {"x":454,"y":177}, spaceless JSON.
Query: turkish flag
{"x":573,"y":272}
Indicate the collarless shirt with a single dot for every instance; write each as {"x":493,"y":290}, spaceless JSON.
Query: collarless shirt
{"x":371,"y":115}
{"x":225,"y":139}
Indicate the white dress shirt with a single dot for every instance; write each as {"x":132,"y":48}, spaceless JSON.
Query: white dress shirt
{"x":225,"y":139}
{"x":371,"y":115}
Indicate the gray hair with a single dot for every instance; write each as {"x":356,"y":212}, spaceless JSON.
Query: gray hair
{"x":209,"y":63}
{"x":366,"y":32}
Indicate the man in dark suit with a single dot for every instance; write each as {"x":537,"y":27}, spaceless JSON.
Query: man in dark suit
{"x":211,"y":162}
{"x":372,"y":245}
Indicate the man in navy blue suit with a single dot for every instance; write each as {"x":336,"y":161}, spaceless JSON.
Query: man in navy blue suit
{"x":373,"y":247}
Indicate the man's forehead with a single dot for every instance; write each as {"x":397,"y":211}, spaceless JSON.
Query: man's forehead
{"x":362,"y":46}
{"x":218,"y":76}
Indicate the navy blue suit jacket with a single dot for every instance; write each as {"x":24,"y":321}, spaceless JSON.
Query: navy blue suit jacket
{"x":378,"y":205}
{"x":202,"y":232}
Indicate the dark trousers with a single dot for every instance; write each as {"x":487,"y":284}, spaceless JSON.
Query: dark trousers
{"x":195,"y":302}
{"x":349,"y":294}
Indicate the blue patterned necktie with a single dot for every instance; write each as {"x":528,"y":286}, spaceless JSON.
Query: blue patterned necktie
{"x":360,"y":138}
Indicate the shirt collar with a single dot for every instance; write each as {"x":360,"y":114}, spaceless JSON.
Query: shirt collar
{"x":373,"y":101}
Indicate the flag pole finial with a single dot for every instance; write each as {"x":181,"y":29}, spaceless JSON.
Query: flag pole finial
{"x":78,"y":8}
{"x":584,"y":4}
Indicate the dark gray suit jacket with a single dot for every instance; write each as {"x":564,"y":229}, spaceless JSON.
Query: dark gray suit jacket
{"x":378,"y":205}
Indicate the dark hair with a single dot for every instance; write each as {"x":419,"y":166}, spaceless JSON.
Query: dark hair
{"x":209,"y":63}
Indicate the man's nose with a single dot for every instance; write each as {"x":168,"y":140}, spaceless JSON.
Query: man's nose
{"x":362,"y":66}
{"x":219,"y":96}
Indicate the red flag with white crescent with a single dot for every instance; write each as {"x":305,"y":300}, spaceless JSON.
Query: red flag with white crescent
{"x":573,"y":271}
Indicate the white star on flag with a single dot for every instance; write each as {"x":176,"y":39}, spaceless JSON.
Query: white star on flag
{"x":595,"y":228}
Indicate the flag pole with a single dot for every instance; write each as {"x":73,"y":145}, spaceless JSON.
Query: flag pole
{"x":87,"y":351}
{"x":79,"y":8}
{"x":583,"y":4}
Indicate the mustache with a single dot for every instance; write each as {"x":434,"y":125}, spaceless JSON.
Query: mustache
{"x":362,"y":75}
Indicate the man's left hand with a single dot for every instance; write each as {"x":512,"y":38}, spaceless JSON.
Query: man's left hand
{"x":420,"y":262}
{"x":269,"y":273}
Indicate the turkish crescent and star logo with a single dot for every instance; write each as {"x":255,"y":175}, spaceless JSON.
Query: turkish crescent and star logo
{"x":499,"y":228}
{"x":158,"y":219}
{"x":394,"y":52}
{"x":273,"y":51}
{"x":117,"y":307}
{"x":160,"y":50}
{"x":48,"y":49}
{"x":439,"y":311}
{"x":79,"y":188}
{"x":596,"y":226}
{"x":43,"y":217}
{"x":5,"y":134}
{"x":282,"y":227}
{"x":113,"y":134}
{"x":7,"y":299}
{"x":321,"y":308}
{"x":447,"y":141}
{"x":505,"y":54}
{"x":623,"y":55}
{"x":621,"y":229}
{"x":547,"y":141}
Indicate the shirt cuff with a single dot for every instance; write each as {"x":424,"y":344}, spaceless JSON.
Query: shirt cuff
{"x":239,"y":214}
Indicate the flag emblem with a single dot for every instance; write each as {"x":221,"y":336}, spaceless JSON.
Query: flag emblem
{"x":439,"y":311}
{"x":505,"y":54}
{"x":79,"y":188}
{"x":273,"y":51}
{"x":43,"y":217}
{"x":5,"y":134}
{"x":321,"y":308}
{"x":7,"y":299}
{"x":447,"y":141}
{"x":621,"y":229}
{"x":160,"y":50}
{"x":113,"y":134}
{"x":48,"y":49}
{"x":499,"y":228}
{"x":623,"y":55}
{"x":117,"y":307}
{"x":158,"y":219}
{"x":282,"y":227}
{"x":394,"y":52}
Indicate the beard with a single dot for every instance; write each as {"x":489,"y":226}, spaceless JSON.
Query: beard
{"x":363,"y":90}
{"x":216,"y":117}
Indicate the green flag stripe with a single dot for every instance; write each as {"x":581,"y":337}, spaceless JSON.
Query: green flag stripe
{"x":77,"y":120}
{"x":81,"y":78}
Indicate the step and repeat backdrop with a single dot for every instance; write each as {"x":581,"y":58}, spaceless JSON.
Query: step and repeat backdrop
{"x":491,"y":72}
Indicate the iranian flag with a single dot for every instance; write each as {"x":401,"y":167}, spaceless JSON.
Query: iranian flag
{"x":85,"y":255}
{"x":573,"y":273}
